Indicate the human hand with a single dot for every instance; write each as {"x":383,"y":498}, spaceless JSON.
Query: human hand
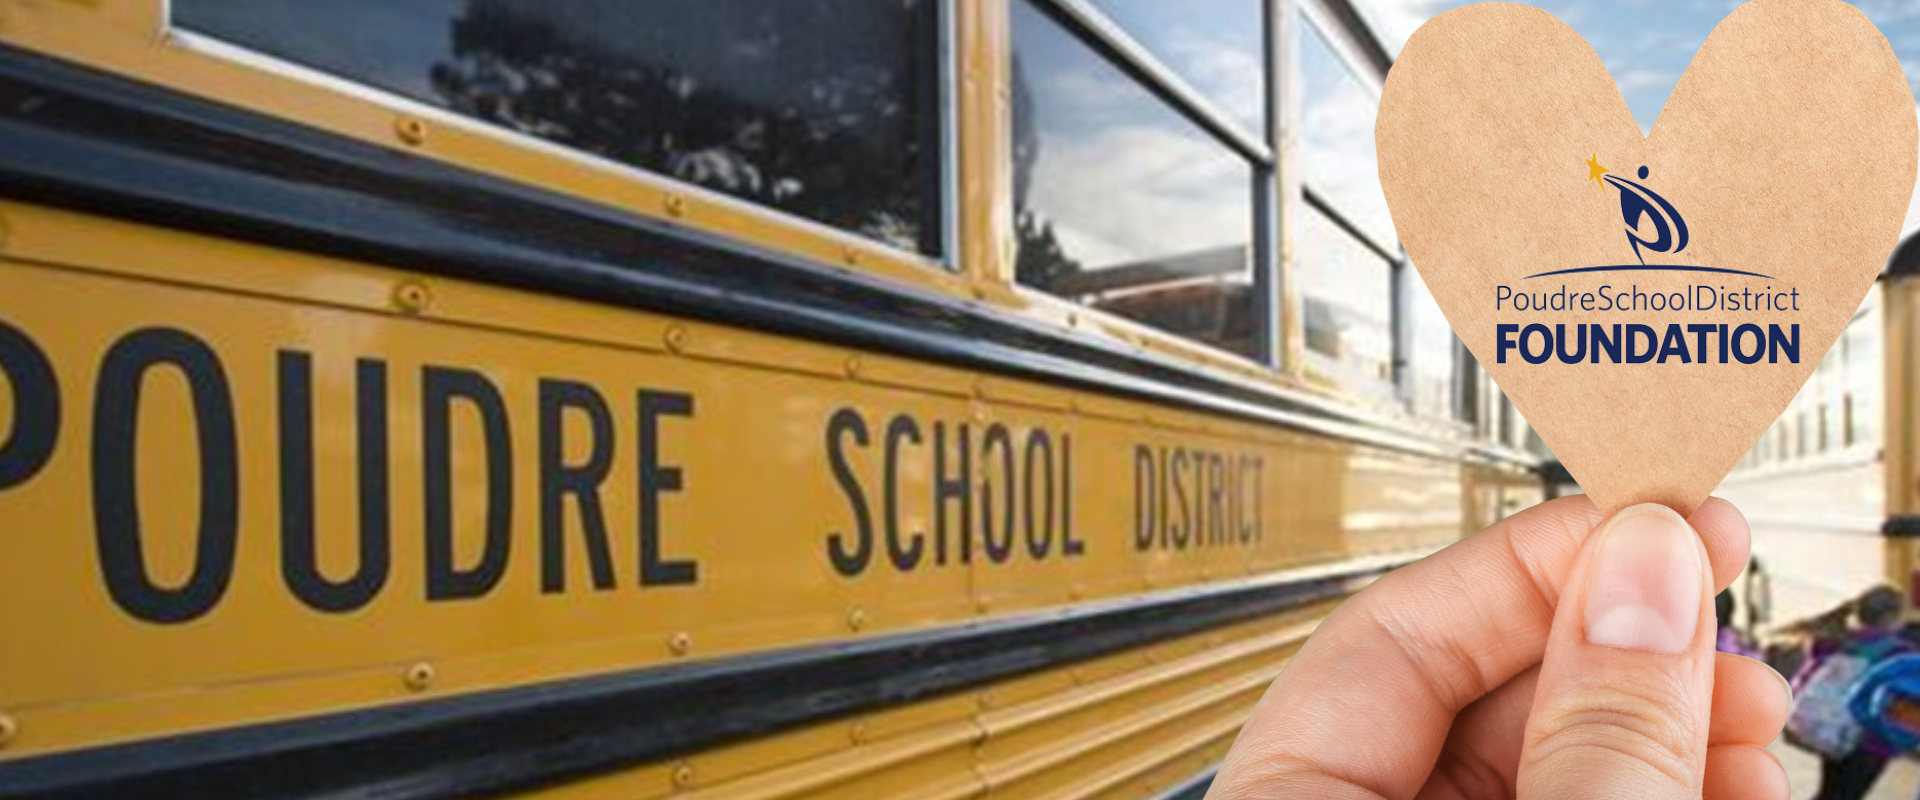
{"x":1544,"y":657}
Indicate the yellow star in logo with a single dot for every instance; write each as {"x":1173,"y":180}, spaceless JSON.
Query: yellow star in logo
{"x":1594,"y":171}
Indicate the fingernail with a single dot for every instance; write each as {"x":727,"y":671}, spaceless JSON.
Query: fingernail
{"x":1643,"y":592}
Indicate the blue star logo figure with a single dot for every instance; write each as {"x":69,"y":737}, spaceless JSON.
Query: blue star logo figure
{"x":1636,"y":201}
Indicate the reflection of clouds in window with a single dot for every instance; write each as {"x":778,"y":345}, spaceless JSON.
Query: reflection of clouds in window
{"x":1122,"y":176}
{"x":1431,"y":365}
{"x":1337,"y":156}
{"x":1217,"y":46}
{"x":1346,"y":292}
{"x":1136,"y":192}
{"x":1121,"y":201}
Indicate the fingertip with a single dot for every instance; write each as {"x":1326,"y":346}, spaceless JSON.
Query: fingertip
{"x":1727,"y":537}
{"x":1743,"y":772}
{"x":1750,"y":701}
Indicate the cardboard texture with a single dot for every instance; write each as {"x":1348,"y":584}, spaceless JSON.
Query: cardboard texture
{"x":1786,"y":152}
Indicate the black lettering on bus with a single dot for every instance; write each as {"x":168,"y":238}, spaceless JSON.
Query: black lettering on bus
{"x":956,"y":488}
{"x":1180,"y":462}
{"x":998,"y":540}
{"x":36,"y":407}
{"x":116,"y":422}
{"x":558,"y":480}
{"x":299,"y":551}
{"x":1145,"y":498}
{"x":1039,"y":455}
{"x":1216,"y":496}
{"x":849,"y":561}
{"x":439,"y":388}
{"x":1069,"y":546}
{"x":901,"y":428}
{"x":655,"y":480}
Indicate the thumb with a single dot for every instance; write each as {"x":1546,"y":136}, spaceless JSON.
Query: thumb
{"x":1626,"y":686}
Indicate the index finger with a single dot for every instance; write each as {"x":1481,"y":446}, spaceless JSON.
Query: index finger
{"x":1364,"y":707}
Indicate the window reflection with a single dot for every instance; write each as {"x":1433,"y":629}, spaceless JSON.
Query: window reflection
{"x":1337,"y":156}
{"x":826,"y":109}
{"x":1346,"y":291}
{"x":1121,"y":202}
{"x":1217,"y":46}
{"x":1432,"y":368}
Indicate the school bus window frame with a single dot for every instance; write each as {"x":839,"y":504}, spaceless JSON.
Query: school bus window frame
{"x":1108,"y":40}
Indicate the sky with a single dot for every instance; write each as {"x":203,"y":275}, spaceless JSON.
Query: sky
{"x":1647,"y":44}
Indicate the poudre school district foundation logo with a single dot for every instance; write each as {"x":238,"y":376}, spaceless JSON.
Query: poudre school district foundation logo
{"x":1638,"y":201}
{"x":1653,"y":227}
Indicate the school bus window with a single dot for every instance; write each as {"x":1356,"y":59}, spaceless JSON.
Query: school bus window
{"x":1121,"y":201}
{"x":1466,"y":388}
{"x":1347,"y":304}
{"x":1217,"y":46}
{"x":828,"y":110}
{"x":1431,"y":366}
{"x":1860,"y":417}
{"x":1337,"y":159}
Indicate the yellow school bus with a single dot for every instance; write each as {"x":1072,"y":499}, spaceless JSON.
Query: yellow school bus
{"x":697,"y":398}
{"x":1832,"y":489}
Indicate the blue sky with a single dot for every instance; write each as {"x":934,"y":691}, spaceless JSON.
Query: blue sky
{"x":1646,"y":44}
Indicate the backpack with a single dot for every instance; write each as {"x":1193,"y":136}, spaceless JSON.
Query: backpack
{"x":1822,"y":719}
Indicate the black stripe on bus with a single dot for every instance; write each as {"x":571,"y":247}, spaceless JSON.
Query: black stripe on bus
{"x":514,"y":739}
{"x":1901,"y":526}
{"x":89,"y":141}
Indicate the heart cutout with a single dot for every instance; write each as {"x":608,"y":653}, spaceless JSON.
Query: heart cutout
{"x":1781,"y":166}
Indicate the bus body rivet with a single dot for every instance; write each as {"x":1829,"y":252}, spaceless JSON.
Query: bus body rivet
{"x":857,"y":618}
{"x":853,"y":366}
{"x":9,"y":729}
{"x":676,"y":205}
{"x":676,"y":338}
{"x":411,"y":130}
{"x":680,"y":643}
{"x":683,"y":774}
{"x":412,"y":297}
{"x":419,"y":676}
{"x":851,"y":255}
{"x":858,"y":732}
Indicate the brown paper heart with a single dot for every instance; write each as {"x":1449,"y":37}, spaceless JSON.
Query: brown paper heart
{"x":1782,"y":164}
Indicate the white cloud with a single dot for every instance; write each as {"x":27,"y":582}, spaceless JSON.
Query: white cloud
{"x":1635,"y":79}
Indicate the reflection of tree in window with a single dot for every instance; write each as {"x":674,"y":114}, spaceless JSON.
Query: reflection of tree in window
{"x":1039,"y":259}
{"x":823,"y":109}
{"x":828,"y":110}
{"x":1122,"y":202}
